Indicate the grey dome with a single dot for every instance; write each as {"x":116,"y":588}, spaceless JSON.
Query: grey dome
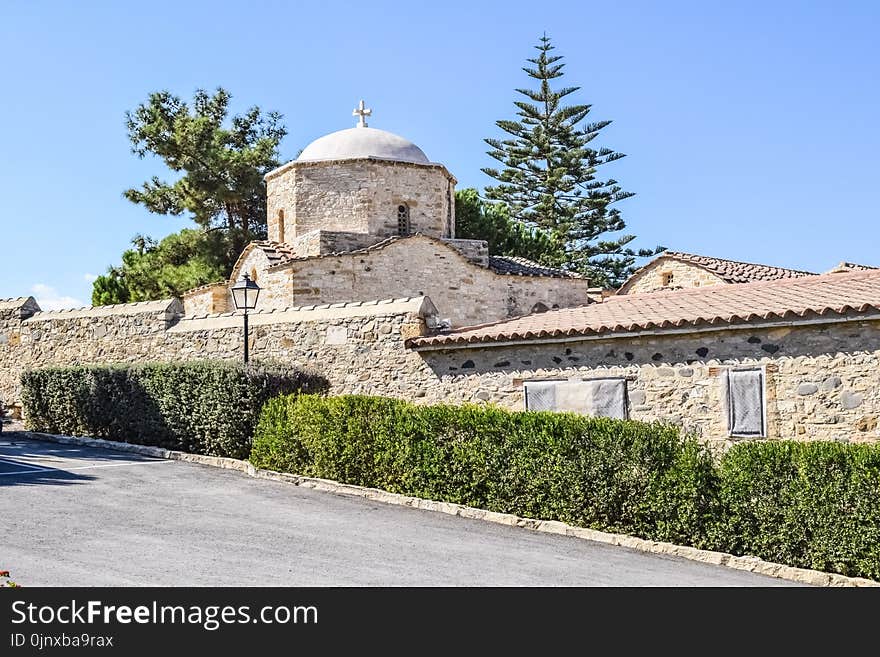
{"x":356,"y":143}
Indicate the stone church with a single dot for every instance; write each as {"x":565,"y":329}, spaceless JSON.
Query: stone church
{"x":363,"y":214}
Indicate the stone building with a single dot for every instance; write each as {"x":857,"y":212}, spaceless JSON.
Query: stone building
{"x":673,"y":270}
{"x":792,"y":358}
{"x":364,"y":214}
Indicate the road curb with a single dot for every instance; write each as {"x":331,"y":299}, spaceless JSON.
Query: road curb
{"x":747,"y":563}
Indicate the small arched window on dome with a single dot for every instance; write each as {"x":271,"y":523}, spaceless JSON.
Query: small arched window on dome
{"x":403,"y":226}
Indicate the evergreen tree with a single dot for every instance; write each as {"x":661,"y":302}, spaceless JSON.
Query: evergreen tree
{"x":220,"y":160}
{"x":170,"y":267}
{"x":477,"y":220}
{"x":549,"y":177}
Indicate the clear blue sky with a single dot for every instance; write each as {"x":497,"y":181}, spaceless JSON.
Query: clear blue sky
{"x":751,"y":128}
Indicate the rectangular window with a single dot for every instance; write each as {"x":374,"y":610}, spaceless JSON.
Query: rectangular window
{"x":597,"y":397}
{"x":745,"y":402}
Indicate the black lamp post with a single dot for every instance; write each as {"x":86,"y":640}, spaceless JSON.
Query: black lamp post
{"x":244,"y":295}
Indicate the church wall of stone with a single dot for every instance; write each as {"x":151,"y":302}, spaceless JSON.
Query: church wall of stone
{"x":684,"y":275}
{"x":208,"y":299}
{"x":359,"y":196}
{"x":463,"y":292}
{"x":275,"y":286}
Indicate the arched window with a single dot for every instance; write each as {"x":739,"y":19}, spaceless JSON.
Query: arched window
{"x":403,"y":227}
{"x":254,"y":274}
{"x":281,"y":226}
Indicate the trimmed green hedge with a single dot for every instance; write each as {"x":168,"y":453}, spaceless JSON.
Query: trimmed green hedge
{"x":614,"y":475}
{"x":206,"y":407}
{"x":814,"y":505}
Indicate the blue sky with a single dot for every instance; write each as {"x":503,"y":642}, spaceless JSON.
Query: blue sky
{"x":751,"y":128}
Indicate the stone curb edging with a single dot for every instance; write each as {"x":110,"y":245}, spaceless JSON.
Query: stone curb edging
{"x":747,"y":563}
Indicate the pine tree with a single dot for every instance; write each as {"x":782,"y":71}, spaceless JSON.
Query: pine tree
{"x":549,"y":177}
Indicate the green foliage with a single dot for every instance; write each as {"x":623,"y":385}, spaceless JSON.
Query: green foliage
{"x":549,"y":177}
{"x":221,"y":160}
{"x":168,"y":268}
{"x":813,"y":505}
{"x":205,"y":407}
{"x":613,"y":475}
{"x":477,"y":220}
{"x":218,"y":162}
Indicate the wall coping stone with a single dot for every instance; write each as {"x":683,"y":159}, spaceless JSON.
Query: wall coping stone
{"x":170,"y":307}
{"x":421,"y":307}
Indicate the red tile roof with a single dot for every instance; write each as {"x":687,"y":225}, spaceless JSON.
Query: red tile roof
{"x":830,"y":295}
{"x":730,"y":271}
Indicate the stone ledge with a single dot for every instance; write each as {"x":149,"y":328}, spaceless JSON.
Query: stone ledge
{"x":747,"y":563}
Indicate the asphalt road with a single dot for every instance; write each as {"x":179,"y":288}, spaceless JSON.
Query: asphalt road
{"x":81,"y":516}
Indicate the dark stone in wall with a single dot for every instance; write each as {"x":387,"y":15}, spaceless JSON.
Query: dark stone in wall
{"x":502,"y":363}
{"x":702,"y":352}
{"x":807,"y":389}
{"x":526,"y":362}
{"x":770,"y":348}
{"x":467,"y":365}
{"x":754,"y":340}
{"x":657,"y":356}
{"x":628,"y":355}
{"x":557,"y":360}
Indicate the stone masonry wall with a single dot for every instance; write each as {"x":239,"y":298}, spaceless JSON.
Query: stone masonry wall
{"x":359,"y":196}
{"x":213,"y":298}
{"x":351,"y":345}
{"x":823,"y":381}
{"x":275,"y":286}
{"x":684,"y":276}
{"x":418,"y":266}
{"x":323,"y":242}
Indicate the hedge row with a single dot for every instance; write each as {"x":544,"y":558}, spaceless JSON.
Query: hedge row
{"x":206,"y":407}
{"x":805,"y":504}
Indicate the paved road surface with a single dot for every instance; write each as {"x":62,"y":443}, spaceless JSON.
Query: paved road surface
{"x":82,"y":516}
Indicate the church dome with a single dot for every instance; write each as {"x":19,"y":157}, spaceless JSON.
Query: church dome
{"x":361,"y":142}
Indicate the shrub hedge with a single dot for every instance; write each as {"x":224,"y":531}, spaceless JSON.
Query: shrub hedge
{"x":205,"y":407}
{"x":805,"y":504}
{"x":813,"y":505}
{"x":618,"y":476}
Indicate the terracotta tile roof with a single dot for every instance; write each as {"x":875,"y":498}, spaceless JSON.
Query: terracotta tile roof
{"x":516,"y":266}
{"x":276,"y":252}
{"x":829,"y":295}
{"x":731,"y":271}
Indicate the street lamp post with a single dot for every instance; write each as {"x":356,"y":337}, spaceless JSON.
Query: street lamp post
{"x":244,"y":295}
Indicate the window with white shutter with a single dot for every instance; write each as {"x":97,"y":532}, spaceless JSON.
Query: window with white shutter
{"x":597,"y":397}
{"x":745,"y":402}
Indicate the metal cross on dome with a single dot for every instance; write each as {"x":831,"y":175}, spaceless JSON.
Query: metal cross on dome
{"x":362,"y":112}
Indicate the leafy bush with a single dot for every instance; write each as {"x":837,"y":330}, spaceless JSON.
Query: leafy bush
{"x":813,"y":505}
{"x":614,"y":475}
{"x":207,"y":407}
